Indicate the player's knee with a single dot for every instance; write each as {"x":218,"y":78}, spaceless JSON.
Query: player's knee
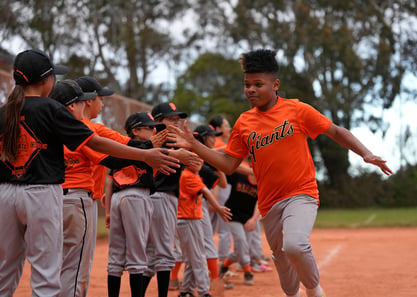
{"x":295,"y":245}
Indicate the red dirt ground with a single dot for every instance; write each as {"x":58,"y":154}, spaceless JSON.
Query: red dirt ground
{"x":352,"y":262}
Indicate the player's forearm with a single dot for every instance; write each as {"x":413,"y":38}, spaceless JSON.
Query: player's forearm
{"x":222,"y":161}
{"x":115,"y":149}
{"x":211,"y":199}
{"x":346,"y":139}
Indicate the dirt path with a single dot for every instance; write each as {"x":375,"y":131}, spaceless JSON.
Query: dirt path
{"x":362,"y":262}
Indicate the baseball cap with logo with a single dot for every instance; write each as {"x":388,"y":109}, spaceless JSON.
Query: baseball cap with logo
{"x":204,"y":130}
{"x":89,"y":84}
{"x":33,"y":65}
{"x":167,"y":109}
{"x":141,"y":119}
{"x":68,"y":91}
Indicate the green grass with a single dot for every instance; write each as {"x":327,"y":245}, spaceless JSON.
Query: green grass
{"x":366,"y":218}
{"x":344,"y":218}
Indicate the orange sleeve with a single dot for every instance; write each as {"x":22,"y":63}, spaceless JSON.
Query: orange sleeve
{"x":106,"y":132}
{"x":236,"y":147}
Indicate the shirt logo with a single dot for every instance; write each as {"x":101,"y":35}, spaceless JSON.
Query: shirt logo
{"x":128,"y":176}
{"x":257,"y":141}
{"x":28,"y":147}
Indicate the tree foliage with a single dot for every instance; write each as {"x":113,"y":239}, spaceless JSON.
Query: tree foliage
{"x":342,"y":57}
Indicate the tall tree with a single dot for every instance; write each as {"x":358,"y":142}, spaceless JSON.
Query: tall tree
{"x":211,"y":85}
{"x":339,"y":56}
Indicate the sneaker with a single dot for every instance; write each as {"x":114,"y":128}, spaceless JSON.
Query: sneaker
{"x":261,"y":268}
{"x":230,"y":274}
{"x":185,"y":294}
{"x":238,"y":267}
{"x":223,"y":270}
{"x":174,"y":285}
{"x":266,"y":259}
{"x":227,"y":285}
{"x":248,"y":279}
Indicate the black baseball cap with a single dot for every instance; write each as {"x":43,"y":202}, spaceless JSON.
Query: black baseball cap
{"x":141,"y":119}
{"x":33,"y":65}
{"x":68,"y":91}
{"x":90,"y":84}
{"x":167,"y":109}
{"x":204,"y":130}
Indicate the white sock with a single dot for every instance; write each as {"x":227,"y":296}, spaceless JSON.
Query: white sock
{"x":316,"y":292}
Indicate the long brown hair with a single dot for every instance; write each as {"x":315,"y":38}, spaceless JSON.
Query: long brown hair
{"x":11,"y":127}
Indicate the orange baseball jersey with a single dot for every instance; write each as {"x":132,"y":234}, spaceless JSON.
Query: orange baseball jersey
{"x":100,"y":171}
{"x":78,"y":168}
{"x":276,"y":140}
{"x":190,"y":199}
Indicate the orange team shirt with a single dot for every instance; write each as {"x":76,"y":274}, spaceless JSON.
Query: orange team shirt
{"x":78,"y":167}
{"x":277,"y":143}
{"x":190,"y":199}
{"x":99,"y":171}
{"x":219,"y":143}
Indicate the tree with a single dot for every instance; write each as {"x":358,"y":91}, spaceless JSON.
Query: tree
{"x":211,"y":85}
{"x":339,"y":56}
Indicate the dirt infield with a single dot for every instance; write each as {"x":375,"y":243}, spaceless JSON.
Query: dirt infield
{"x":353,"y":262}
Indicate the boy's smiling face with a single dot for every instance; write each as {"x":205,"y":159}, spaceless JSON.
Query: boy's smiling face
{"x":260,"y":89}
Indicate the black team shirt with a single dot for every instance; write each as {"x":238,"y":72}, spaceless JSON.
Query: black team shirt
{"x":45,"y":126}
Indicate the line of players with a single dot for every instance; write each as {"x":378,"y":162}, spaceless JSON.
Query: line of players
{"x":147,"y":208}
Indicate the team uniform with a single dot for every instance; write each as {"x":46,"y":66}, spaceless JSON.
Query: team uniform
{"x":160,"y":243}
{"x":242,"y":202}
{"x":191,"y":235}
{"x":78,"y":217}
{"x":279,"y":142}
{"x":31,"y":195}
{"x":222,"y":227}
{"x":130,"y":216}
{"x":99,"y":173}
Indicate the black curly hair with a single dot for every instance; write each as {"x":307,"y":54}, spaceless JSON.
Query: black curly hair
{"x":259,"y":61}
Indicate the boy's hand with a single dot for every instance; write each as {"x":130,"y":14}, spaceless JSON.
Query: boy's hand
{"x":225,"y":213}
{"x":372,"y":159}
{"x":158,"y":159}
{"x":159,"y":138}
{"x":179,"y":138}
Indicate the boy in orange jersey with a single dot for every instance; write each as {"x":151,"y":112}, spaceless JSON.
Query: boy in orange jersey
{"x":274,"y":132}
{"x":190,"y":230}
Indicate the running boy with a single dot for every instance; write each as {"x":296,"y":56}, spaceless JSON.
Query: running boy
{"x":274,"y":132}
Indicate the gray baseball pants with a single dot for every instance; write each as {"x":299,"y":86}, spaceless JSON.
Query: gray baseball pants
{"x":288,"y":226}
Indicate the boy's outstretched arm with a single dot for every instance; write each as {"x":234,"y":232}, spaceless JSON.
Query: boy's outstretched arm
{"x":346,"y":139}
{"x":186,"y":140}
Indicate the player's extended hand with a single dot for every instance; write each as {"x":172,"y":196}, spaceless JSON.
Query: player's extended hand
{"x":159,"y":138}
{"x":225,"y":213}
{"x":158,"y":159}
{"x":372,"y":159}
{"x":180,"y":138}
{"x":187,"y":158}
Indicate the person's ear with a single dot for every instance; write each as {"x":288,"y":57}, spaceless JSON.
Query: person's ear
{"x":71,"y":107}
{"x":276,"y":85}
{"x":88,"y":102}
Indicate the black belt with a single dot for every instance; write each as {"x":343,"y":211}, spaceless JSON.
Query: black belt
{"x":66,"y":191}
